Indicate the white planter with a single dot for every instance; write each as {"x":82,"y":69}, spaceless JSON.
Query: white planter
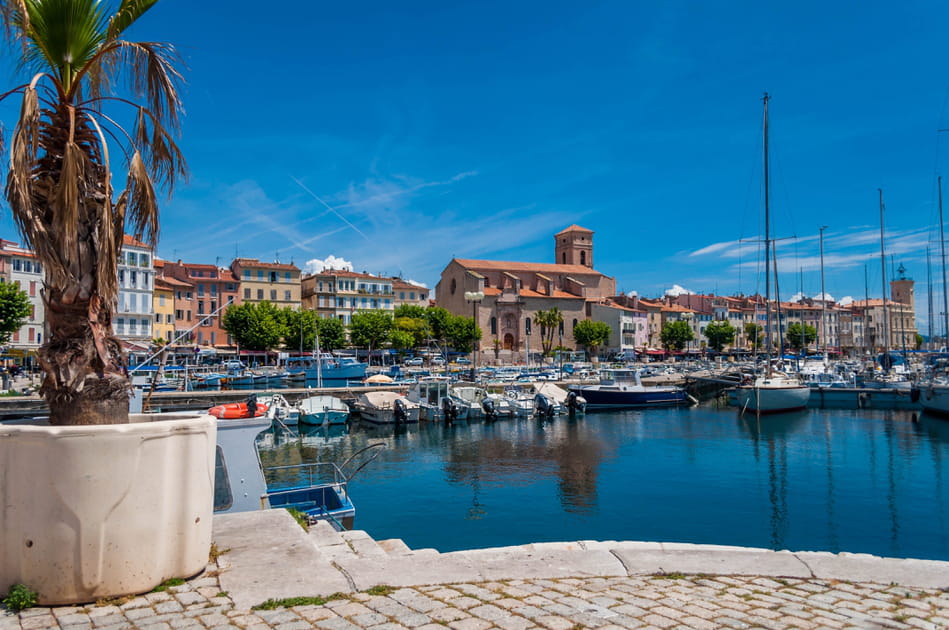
{"x":91,"y":512}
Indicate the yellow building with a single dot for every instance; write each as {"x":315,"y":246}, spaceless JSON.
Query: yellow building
{"x":163,"y":303}
{"x":276,"y":283}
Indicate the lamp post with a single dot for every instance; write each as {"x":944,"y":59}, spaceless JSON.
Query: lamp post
{"x":475,"y":298}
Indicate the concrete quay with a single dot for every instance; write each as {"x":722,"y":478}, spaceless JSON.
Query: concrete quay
{"x":352,"y":581}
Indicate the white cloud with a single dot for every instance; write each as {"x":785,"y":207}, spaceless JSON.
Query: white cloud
{"x":417,"y":283}
{"x":797,"y":297}
{"x":827,"y":297}
{"x":677,"y":290}
{"x":330,"y":262}
{"x":846,"y":301}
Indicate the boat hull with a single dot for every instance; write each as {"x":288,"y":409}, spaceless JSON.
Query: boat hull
{"x":935,"y":399}
{"x":602,"y":398}
{"x":771,"y":399}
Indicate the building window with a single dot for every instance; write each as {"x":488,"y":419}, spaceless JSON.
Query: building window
{"x":494,"y":325}
{"x":157,"y":318}
{"x":273,"y":295}
{"x":121,"y":276}
{"x":401,"y":295}
{"x":200,"y":290}
{"x":247,"y":274}
{"x":260,"y":294}
{"x":17,"y":264}
{"x":286,"y":276}
{"x":246,"y":294}
{"x":161,"y":300}
{"x":286,"y":296}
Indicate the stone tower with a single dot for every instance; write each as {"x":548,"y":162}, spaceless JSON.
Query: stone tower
{"x":901,"y":289}
{"x":574,"y":246}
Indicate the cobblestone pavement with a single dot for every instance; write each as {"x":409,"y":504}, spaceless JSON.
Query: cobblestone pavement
{"x":659,"y":601}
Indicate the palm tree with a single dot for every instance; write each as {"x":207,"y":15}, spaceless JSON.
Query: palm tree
{"x":59,"y":184}
{"x":549,"y":322}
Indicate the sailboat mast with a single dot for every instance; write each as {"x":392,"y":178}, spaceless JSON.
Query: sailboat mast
{"x":942,"y":247}
{"x":886,"y":341}
{"x":767,"y":244}
{"x":929,"y":293}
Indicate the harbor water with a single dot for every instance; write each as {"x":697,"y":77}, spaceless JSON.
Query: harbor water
{"x":866,"y":481}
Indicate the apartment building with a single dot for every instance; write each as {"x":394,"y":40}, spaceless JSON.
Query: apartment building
{"x":277,"y":283}
{"x":202,"y":293}
{"x":19,"y":266}
{"x":339,"y":294}
{"x":407,"y":293}
{"x":163,"y":305}
{"x":134,"y":316}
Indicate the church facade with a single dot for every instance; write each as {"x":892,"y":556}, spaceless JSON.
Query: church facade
{"x":515,"y":291}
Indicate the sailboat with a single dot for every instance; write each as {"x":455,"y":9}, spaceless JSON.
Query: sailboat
{"x":770,"y":392}
{"x":935,"y":395}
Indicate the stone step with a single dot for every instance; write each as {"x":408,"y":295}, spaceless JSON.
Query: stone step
{"x":362,"y":544}
{"x":394,"y":546}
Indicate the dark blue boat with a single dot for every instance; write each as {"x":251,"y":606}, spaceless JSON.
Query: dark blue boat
{"x":623,"y":389}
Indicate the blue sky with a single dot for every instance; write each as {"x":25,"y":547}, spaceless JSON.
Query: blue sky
{"x":398,"y":135}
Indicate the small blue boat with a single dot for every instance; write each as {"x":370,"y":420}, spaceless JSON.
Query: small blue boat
{"x":621,"y":388}
{"x":319,"y":410}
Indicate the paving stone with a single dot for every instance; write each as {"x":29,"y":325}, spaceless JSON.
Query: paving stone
{"x":470,"y":624}
{"x":336,"y":623}
{"x":513,"y":623}
{"x":315,"y":613}
{"x":299,"y":624}
{"x":448,"y":614}
{"x":369,"y":619}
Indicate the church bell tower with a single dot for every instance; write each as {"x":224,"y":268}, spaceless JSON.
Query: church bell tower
{"x":574,"y":246}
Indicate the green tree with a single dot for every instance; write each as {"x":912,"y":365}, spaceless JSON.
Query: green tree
{"x":549,"y":322}
{"x":919,"y":341}
{"x":461,"y":333}
{"x":332,"y":333}
{"x":438,"y":320}
{"x":401,"y":340}
{"x":675,"y":335}
{"x":719,"y":335}
{"x":754,"y":334}
{"x":370,"y":329}
{"x":794,"y":332}
{"x":591,"y":335}
{"x":299,"y":329}
{"x":59,"y":183}
{"x":254,"y":326}
{"x":417,"y":327}
{"x":14,"y":310}
{"x":409,"y":310}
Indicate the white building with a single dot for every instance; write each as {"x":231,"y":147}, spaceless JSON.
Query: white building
{"x":134,"y":315}
{"x":19,"y":266}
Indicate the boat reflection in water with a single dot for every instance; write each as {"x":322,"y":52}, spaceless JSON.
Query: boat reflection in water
{"x":837,"y":480}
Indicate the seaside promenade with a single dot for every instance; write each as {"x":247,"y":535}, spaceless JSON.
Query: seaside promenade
{"x":348,"y":581}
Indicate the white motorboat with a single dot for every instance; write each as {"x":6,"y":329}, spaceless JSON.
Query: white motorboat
{"x":435,"y":401}
{"x":934,"y":398}
{"x":384,"y":407}
{"x":279,"y":411}
{"x":569,"y":401}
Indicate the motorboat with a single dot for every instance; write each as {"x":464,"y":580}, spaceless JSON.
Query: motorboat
{"x":385,"y":407}
{"x":434,"y":399}
{"x":279,"y":410}
{"x":569,"y":401}
{"x":520,"y":400}
{"x":317,"y":410}
{"x":471,"y":398}
{"x":622,"y":388}
{"x":327,"y":369}
{"x":319,"y":490}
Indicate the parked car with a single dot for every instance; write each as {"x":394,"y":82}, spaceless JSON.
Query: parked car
{"x":463,"y":361}
{"x":437,"y":361}
{"x":414,"y":362}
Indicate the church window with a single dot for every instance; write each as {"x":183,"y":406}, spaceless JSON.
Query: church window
{"x":583,"y":258}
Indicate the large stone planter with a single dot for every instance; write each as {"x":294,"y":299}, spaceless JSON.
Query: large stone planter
{"x":93,"y":512}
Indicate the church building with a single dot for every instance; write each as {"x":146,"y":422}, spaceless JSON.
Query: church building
{"x":515,"y":291}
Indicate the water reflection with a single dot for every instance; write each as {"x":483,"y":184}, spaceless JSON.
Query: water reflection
{"x":854,"y":480}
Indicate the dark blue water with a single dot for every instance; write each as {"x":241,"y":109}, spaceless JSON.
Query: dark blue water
{"x":834,"y":480}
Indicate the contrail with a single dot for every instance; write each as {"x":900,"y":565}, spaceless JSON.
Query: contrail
{"x":329,"y":207}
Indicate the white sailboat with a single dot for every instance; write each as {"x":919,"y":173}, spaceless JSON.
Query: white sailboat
{"x":771,"y":392}
{"x":935,"y":395}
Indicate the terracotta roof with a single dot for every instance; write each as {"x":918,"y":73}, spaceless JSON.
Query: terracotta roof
{"x":560,"y":295}
{"x":253,"y":262}
{"x":545,"y":268}
{"x":341,"y":273}
{"x":612,"y":304}
{"x":398,"y":283}
{"x":573,"y":228}
{"x":677,"y":309}
{"x":172,"y":283}
{"x":132,"y":242}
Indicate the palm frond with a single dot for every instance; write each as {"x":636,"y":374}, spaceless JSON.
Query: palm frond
{"x":65,"y":35}
{"x":128,"y":12}
{"x":142,"y":211}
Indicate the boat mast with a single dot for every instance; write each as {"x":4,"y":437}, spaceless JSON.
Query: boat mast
{"x":942,"y":247}
{"x":885,"y":359}
{"x":767,"y":247}
{"x":822,"y":340}
{"x":866,"y":311}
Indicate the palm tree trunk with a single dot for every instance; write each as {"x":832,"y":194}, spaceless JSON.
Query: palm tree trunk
{"x":85,"y":381}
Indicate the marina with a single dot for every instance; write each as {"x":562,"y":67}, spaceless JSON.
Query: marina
{"x":864,"y":481}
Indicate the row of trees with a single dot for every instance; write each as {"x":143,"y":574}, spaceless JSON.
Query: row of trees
{"x":676,"y":335}
{"x":263,"y":326}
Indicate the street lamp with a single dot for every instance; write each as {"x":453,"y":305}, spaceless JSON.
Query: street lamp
{"x":475,"y":298}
